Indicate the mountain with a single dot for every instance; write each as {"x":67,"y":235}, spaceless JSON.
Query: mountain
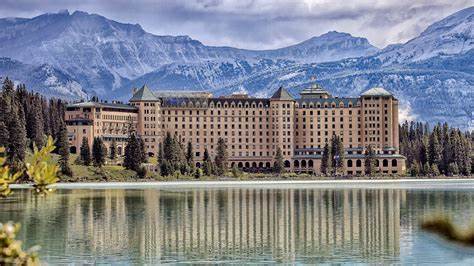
{"x":103,"y":54}
{"x":47,"y":80}
{"x":331,"y":46}
{"x":450,"y":36}
{"x":432,"y":74}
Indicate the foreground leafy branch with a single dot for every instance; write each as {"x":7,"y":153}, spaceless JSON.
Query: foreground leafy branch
{"x":6,"y":177}
{"x":11,"y":252}
{"x":444,"y":226}
{"x":41,"y":168}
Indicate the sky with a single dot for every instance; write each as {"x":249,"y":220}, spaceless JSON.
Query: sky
{"x":259,"y":24}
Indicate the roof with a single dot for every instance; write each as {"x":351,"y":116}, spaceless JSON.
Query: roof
{"x":314,"y":89}
{"x":143,"y":94}
{"x":182,"y":94}
{"x":101,"y":104}
{"x":282,"y":94}
{"x":377,"y":91}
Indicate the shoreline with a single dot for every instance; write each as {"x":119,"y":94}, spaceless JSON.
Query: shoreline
{"x":448,"y":183}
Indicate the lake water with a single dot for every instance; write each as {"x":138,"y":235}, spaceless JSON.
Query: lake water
{"x":237,"y":225}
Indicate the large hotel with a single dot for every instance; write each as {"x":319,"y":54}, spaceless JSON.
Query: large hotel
{"x":253,"y":128}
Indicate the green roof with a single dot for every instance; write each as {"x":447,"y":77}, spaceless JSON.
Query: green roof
{"x":143,"y":94}
{"x":282,"y":94}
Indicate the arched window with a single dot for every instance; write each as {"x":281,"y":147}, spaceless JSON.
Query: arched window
{"x":260,"y":165}
{"x":310,"y":164}
{"x":303,"y":164}
{"x":254,"y":165}
{"x":240,"y":165}
{"x":247,"y":165}
{"x":296,"y":164}
{"x":232,"y":164}
{"x":349,"y":163}
{"x":119,"y":150}
{"x":287,"y":164}
{"x":394,"y":162}
{"x":385,"y":162}
{"x":73,"y":149}
{"x":268,"y":165}
{"x":358,"y":163}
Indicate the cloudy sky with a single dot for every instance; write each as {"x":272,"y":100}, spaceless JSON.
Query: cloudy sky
{"x":259,"y":24}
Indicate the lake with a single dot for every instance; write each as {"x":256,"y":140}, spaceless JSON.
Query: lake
{"x":240,"y":224}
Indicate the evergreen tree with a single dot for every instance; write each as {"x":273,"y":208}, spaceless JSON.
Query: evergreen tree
{"x":435,"y":170}
{"x":279,"y":165}
{"x":326,"y":160}
{"x":453,"y":169}
{"x":207,"y":166}
{"x":113,"y":150}
{"x":434,"y":147}
{"x":62,"y":145}
{"x":221,"y":157}
{"x":189,"y":154}
{"x":427,"y":169}
{"x":3,"y":134}
{"x":85,"y":152}
{"x":134,"y":153}
{"x":17,"y":139}
{"x":99,"y":152}
{"x":35,"y":123}
{"x":369,"y":162}
{"x":337,"y":151}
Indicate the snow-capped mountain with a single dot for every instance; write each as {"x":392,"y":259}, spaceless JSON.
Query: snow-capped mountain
{"x":330,"y":46}
{"x":66,"y":54}
{"x":103,"y":54}
{"x":450,"y":36}
{"x":44,"y":78}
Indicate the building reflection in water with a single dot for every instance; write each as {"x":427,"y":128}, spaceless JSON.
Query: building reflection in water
{"x":284,"y":225}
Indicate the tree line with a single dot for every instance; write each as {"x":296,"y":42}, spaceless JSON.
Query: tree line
{"x":438,"y":150}
{"x":26,"y":119}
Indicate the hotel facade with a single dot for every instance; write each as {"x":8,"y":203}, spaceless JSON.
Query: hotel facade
{"x":253,"y":128}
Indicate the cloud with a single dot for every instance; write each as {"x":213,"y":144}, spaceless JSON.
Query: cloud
{"x":260,"y":24}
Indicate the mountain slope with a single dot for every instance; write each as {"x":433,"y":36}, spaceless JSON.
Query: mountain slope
{"x":452,"y":35}
{"x":103,"y":54}
{"x":45,"y":79}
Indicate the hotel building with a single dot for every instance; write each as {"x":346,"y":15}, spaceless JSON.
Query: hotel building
{"x":253,"y":128}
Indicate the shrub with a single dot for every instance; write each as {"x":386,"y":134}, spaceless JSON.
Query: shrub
{"x":198,"y":173}
{"x":11,"y":252}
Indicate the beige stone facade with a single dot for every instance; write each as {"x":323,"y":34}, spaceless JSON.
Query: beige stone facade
{"x":253,"y":128}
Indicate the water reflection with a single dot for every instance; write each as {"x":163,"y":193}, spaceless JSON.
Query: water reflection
{"x":232,"y":225}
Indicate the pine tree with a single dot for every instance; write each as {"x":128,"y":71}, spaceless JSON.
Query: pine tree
{"x":207,"y":166}
{"x":62,"y":146}
{"x":113,"y":150}
{"x":369,"y":162}
{"x":279,"y":165}
{"x":85,"y":152}
{"x":134,"y":153}
{"x":99,"y":152}
{"x":435,"y":170}
{"x":35,"y":123}
{"x":17,"y":139}
{"x":434,"y":148}
{"x":427,"y":169}
{"x":337,"y":151}
{"x":189,"y":154}
{"x":326,"y":159}
{"x":221,"y":157}
{"x":3,"y":134}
